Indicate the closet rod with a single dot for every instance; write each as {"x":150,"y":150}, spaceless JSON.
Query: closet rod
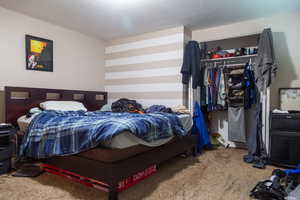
{"x":229,"y":58}
{"x":228,"y":65}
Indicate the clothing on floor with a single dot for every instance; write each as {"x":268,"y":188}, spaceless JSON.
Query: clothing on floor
{"x":28,"y":170}
{"x":192,"y":67}
{"x":265,"y":68}
{"x":236,"y":124}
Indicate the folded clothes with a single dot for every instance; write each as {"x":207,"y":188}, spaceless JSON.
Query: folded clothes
{"x":236,"y":104}
{"x":236,"y":86}
{"x":237,"y":71}
{"x":236,"y":79}
{"x":235,"y":98}
{"x":237,"y":93}
{"x":236,"y":101}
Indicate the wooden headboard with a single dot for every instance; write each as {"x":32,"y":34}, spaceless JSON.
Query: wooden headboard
{"x":18,"y":100}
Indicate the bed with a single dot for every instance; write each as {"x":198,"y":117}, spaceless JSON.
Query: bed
{"x":103,"y":168}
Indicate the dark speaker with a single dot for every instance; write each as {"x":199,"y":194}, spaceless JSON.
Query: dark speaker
{"x":285,"y":148}
{"x":286,"y":122}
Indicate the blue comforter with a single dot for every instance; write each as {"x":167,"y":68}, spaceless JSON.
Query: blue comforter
{"x":58,"y":133}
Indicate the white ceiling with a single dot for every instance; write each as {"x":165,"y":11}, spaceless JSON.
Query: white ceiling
{"x":108,"y":19}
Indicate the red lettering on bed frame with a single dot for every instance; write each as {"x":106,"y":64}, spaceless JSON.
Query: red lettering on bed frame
{"x":123,"y":185}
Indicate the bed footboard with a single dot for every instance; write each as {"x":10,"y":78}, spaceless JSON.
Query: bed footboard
{"x":107,"y":176}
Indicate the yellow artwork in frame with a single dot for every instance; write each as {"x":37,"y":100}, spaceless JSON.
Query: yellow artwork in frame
{"x":39,"y":54}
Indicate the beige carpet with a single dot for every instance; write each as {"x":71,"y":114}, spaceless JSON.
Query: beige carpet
{"x":215,"y":175}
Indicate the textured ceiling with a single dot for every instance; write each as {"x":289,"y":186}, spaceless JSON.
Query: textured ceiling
{"x":108,"y":19}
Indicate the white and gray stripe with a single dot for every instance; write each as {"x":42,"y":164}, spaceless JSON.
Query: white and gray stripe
{"x":146,"y":67}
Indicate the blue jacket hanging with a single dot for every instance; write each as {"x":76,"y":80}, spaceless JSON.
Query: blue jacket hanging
{"x":200,"y":129}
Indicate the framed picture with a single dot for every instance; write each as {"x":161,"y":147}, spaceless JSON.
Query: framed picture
{"x":39,"y":54}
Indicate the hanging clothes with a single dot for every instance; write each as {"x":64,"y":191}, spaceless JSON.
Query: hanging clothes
{"x":221,"y":101}
{"x":192,"y":67}
{"x":215,"y":88}
{"x":236,"y":124}
{"x":209,"y":89}
{"x":257,"y":154}
{"x":204,"y":89}
{"x":250,"y":90}
{"x":265,"y":68}
{"x":264,"y":71}
{"x":200,"y":129}
{"x":212,"y":89}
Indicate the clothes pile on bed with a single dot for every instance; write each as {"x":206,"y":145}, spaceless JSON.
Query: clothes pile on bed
{"x":56,"y":133}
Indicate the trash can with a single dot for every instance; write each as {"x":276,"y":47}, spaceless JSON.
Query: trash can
{"x":6,"y":148}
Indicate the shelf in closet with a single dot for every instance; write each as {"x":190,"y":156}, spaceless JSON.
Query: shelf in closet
{"x":229,"y":58}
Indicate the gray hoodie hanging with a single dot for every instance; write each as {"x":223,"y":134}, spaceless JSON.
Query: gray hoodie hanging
{"x":265,"y":68}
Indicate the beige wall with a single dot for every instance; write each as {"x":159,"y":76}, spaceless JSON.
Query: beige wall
{"x":78,"y":59}
{"x":286,"y":29}
{"x":146,"y":67}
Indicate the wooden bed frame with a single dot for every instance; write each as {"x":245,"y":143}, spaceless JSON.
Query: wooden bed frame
{"x":101,"y":175}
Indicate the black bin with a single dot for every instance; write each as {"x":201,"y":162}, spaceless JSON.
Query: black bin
{"x":6,"y":134}
{"x":285,"y":148}
{"x":5,"y":166}
{"x":5,"y":158}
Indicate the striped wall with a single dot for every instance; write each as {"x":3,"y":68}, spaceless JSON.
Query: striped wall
{"x":146,"y":67}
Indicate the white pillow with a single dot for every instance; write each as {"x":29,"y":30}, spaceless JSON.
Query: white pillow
{"x":63,"y":105}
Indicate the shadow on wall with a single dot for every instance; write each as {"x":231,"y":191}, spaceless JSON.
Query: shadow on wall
{"x":2,"y":107}
{"x":286,"y":70}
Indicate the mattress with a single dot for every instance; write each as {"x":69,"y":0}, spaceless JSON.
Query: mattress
{"x":125,"y":139}
{"x":109,"y":155}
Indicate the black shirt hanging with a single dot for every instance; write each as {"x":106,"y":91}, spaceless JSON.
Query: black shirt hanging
{"x":191,"y":64}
